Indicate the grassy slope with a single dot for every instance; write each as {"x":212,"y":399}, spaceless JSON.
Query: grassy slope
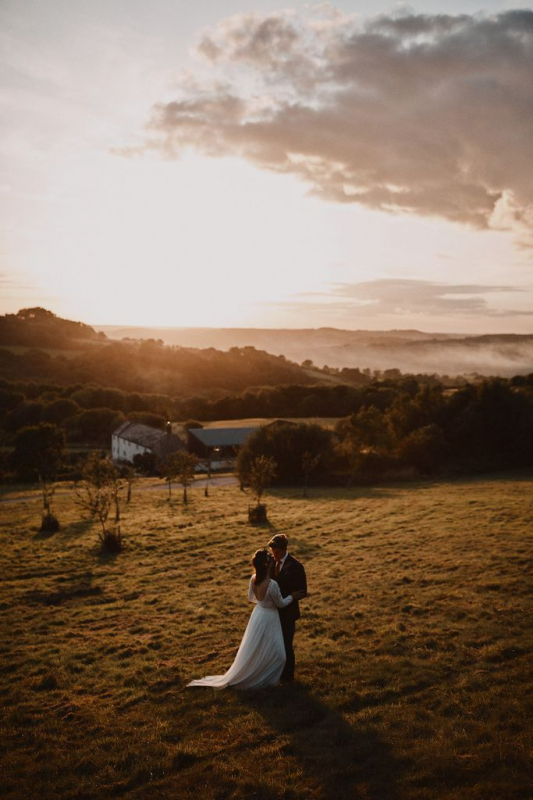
{"x":413,"y":653}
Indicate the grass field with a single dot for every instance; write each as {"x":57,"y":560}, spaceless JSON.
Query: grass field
{"x":325,"y":422}
{"x":414,"y":651}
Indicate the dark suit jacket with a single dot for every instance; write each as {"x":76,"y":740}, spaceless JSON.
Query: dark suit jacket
{"x":290,"y":579}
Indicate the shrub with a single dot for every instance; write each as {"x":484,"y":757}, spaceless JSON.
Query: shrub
{"x":424,"y":448}
{"x":39,"y":451}
{"x":60,"y":410}
{"x":97,"y":424}
{"x":287,"y":443}
{"x":98,"y":493}
{"x":375,"y":464}
{"x":10,"y":400}
{"x":111,"y":541}
{"x":146,"y":464}
{"x":23,"y":415}
{"x":257,"y":515}
{"x":49,"y":524}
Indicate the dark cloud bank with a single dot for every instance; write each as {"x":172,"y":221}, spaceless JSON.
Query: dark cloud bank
{"x":431,"y":115}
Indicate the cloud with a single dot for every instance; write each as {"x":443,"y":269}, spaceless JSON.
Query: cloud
{"x":430,"y":115}
{"x":407,"y":298}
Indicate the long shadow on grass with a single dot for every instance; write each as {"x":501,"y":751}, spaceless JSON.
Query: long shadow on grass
{"x":340,"y":759}
{"x":377,"y":490}
{"x":332,"y":493}
{"x":78,"y":528}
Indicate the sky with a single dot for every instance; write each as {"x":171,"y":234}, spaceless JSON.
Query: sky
{"x":256,"y":164}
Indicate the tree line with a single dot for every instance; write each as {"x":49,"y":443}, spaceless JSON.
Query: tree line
{"x":430,"y":431}
{"x":380,"y":429}
{"x":424,"y":432}
{"x":89,"y":412}
{"x":149,"y":366}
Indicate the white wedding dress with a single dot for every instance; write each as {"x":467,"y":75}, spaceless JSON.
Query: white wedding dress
{"x":261,"y":656}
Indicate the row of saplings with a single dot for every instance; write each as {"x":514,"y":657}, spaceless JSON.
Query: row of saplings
{"x":101,"y":491}
{"x":40,"y":452}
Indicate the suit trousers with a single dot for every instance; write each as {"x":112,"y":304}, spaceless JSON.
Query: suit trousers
{"x":288,"y":626}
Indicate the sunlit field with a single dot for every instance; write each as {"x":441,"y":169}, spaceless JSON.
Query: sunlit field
{"x":413,"y":652}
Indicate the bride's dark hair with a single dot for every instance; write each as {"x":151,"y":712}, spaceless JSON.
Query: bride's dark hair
{"x":261,"y":563}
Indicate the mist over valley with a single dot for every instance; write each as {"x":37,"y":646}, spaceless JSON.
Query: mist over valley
{"x":409,"y":351}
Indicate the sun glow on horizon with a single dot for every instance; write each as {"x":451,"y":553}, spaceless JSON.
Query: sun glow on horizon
{"x":201,"y":241}
{"x":217,"y":243}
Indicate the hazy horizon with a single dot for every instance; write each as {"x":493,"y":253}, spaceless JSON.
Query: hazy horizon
{"x":410,"y":351}
{"x":104,"y":327}
{"x":258,"y":165}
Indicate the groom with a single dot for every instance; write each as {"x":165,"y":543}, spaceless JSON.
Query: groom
{"x":290,"y":575}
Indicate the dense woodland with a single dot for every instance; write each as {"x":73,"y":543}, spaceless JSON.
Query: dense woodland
{"x":387,"y":426}
{"x":406,"y":431}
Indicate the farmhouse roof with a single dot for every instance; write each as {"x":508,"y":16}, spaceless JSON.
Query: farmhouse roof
{"x":159,"y":442}
{"x":222,"y":437}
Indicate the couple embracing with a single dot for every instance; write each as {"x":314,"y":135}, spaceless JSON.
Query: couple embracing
{"x":266,"y":654}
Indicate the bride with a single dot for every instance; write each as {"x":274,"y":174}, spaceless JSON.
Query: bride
{"x":261,"y":656}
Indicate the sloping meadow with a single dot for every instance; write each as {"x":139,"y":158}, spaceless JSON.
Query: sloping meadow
{"x":414,"y":651}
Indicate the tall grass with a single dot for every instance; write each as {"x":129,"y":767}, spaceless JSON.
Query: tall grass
{"x":413,"y":652}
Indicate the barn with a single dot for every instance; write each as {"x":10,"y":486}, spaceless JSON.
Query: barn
{"x":218,"y":445}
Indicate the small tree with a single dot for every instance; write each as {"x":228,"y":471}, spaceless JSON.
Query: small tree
{"x":146,"y":464}
{"x":98,"y":493}
{"x":309,"y":463}
{"x":362,"y":432}
{"x":185,"y":465}
{"x":129,"y":475}
{"x":38,"y":454}
{"x":258,"y":475}
{"x":168,"y":470}
{"x":425,"y":449}
{"x":208,"y":476}
{"x":49,"y":521}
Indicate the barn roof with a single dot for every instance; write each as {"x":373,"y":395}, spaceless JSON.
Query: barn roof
{"x":222,"y":437}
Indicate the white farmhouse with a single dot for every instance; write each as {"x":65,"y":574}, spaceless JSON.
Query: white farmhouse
{"x":132,"y":438}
